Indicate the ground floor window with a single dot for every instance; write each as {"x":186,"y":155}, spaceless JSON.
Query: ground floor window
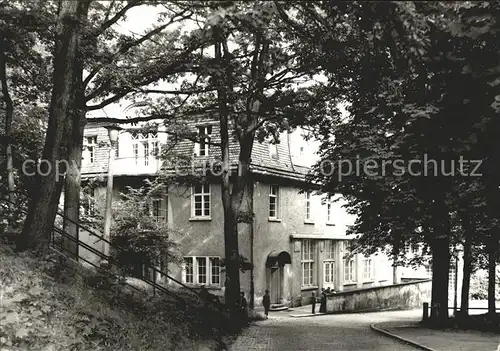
{"x":201,"y":270}
{"x":367,"y":269}
{"x":329,"y":271}
{"x":349,"y":271}
{"x":307,"y":261}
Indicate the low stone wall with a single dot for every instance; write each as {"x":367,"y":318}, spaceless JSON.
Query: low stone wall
{"x":398,"y":296}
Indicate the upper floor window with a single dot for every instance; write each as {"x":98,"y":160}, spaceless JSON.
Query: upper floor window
{"x":91,"y":145}
{"x":329,"y":217}
{"x":200,"y":201}
{"x":273,"y":151}
{"x":145,"y":143}
{"x":202,"y":270}
{"x":273,"y":201}
{"x":308,"y":206}
{"x":145,"y":146}
{"x":117,"y":149}
{"x":202,"y":147}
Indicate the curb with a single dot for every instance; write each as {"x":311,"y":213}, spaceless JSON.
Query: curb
{"x":399,"y":338}
{"x":307,"y":315}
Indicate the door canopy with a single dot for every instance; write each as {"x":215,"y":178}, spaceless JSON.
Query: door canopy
{"x":278,"y":258}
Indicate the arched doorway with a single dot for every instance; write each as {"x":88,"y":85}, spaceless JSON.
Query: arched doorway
{"x":275,"y":263}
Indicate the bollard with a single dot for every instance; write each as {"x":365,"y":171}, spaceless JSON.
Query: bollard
{"x":426,"y":312}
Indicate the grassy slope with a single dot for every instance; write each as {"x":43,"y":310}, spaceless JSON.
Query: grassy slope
{"x":42,"y":308}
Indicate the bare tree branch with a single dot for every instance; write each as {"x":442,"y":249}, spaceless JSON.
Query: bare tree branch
{"x":119,"y":15}
{"x":127,"y":46}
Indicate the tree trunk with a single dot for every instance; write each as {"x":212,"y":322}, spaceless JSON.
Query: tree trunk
{"x":250,"y":186}
{"x":231,"y":249}
{"x":73,"y":175}
{"x":72,"y":191}
{"x":440,"y":271}
{"x":9,"y":111}
{"x":492,"y":265}
{"x":467,"y":269}
{"x":42,"y":208}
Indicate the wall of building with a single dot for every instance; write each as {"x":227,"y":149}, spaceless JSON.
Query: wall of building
{"x":400,"y":296}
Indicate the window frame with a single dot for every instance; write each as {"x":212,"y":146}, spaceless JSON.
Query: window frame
{"x":307,"y":260}
{"x":370,"y":276}
{"x":273,"y":151}
{"x":202,"y":148}
{"x":211,"y":271}
{"x":349,"y":270}
{"x":145,"y":149}
{"x":308,"y":202}
{"x":349,"y":264}
{"x":276,"y":202}
{"x":329,"y":261}
{"x":204,"y":208}
{"x":329,"y":210}
{"x":91,"y":145}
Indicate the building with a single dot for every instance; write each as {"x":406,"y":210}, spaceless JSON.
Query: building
{"x":297,"y":241}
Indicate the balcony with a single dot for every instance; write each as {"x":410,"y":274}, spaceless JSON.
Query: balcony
{"x":136,"y":166}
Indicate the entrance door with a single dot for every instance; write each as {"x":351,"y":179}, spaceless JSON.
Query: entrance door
{"x":276,"y":278}
{"x":329,"y":274}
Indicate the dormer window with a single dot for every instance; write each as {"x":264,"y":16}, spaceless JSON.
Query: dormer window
{"x":273,"y":151}
{"x":202,"y":147}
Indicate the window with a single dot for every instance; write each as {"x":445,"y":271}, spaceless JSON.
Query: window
{"x":349,"y":271}
{"x":117,"y":149}
{"x":156,"y":209}
{"x":329,"y":272}
{"x":452,"y":274}
{"x":329,"y":210}
{"x":349,"y":264}
{"x":273,"y":151}
{"x":329,"y":249}
{"x":91,"y":144}
{"x":215,"y":270}
{"x":147,"y":142}
{"x":135,"y":151}
{"x":202,"y":147}
{"x":201,"y":263}
{"x":414,"y":248}
{"x":273,"y":201}
{"x":155,"y":149}
{"x":307,"y":261}
{"x":202,"y":270}
{"x":308,"y":206}
{"x":146,"y":152}
{"x":201,"y":201}
{"x":329,"y":262}
{"x":367,"y":269}
{"x":188,"y":270}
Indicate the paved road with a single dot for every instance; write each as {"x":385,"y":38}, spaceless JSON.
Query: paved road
{"x":327,"y":332}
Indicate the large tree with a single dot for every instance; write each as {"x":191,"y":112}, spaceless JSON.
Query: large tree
{"x":404,"y":103}
{"x":250,"y":83}
{"x":108,"y":66}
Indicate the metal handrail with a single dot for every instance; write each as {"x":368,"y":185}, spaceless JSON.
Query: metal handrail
{"x":110,"y":259}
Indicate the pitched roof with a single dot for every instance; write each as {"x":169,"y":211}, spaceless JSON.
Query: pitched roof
{"x":261,"y":160}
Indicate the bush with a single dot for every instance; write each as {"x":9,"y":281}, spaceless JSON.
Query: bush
{"x":479,"y":286}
